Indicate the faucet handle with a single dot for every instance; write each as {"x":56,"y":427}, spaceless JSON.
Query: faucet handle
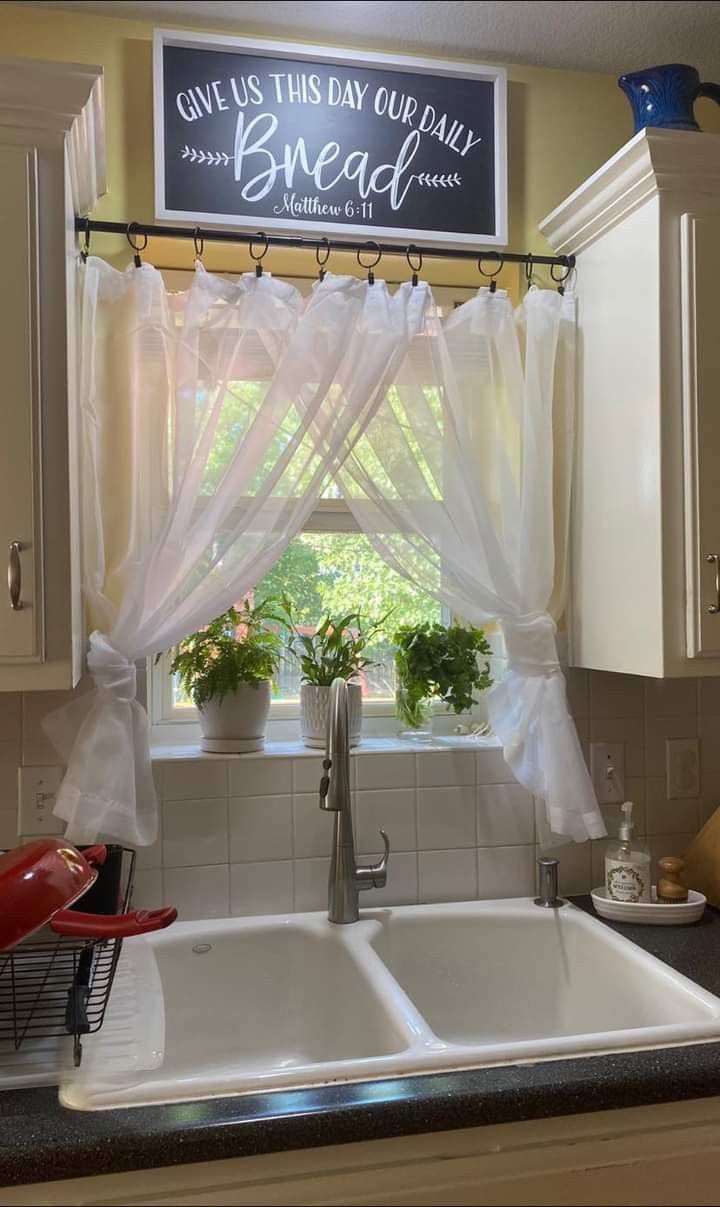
{"x":375,"y":876}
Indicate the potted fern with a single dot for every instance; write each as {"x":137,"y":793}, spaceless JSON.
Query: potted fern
{"x":335,"y":650}
{"x":227,"y":669}
{"x":437,"y":662}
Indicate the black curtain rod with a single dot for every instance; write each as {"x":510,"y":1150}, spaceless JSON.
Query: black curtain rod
{"x":133,"y":229}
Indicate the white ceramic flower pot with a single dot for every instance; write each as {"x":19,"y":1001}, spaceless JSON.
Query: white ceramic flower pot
{"x":238,"y":722}
{"x":314,"y":712}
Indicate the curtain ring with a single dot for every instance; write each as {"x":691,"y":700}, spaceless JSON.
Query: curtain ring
{"x":414,"y":251}
{"x":85,"y":249}
{"x":199,"y":244}
{"x":529,"y":270}
{"x":321,"y":263}
{"x":371,"y":245}
{"x":130,"y":234}
{"x":560,"y":281}
{"x":491,"y":275}
{"x":259,"y":258}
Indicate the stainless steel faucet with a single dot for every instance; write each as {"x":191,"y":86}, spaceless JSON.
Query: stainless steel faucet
{"x":548,"y":886}
{"x":346,"y":879}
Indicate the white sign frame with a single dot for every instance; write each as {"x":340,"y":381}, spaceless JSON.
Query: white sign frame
{"x":303,"y":51}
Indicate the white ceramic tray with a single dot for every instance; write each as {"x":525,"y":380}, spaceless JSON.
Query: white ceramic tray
{"x":652,"y":913}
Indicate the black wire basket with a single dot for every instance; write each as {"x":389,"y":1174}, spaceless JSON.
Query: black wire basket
{"x":52,"y":986}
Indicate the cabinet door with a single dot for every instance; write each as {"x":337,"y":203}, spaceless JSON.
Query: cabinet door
{"x":21,"y":625}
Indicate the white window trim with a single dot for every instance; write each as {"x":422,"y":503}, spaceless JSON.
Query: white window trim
{"x":172,"y":726}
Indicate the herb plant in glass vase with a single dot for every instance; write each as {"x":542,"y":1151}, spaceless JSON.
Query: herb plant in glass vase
{"x":334,"y":651}
{"x":227,"y":669}
{"x":437,"y":662}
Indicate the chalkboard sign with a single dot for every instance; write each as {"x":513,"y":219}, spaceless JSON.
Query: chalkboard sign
{"x":295,"y":139}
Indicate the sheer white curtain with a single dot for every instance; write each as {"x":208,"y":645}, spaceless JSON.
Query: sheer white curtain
{"x":209,"y":420}
{"x":454,"y":482}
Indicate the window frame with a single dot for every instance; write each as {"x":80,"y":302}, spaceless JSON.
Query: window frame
{"x":172,"y":725}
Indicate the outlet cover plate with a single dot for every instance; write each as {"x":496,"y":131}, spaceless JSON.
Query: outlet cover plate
{"x":607,"y":768}
{"x":683,"y":768}
{"x":37,"y":789}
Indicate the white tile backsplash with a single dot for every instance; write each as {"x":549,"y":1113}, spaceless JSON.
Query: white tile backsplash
{"x":506,"y":872}
{"x":199,"y":892}
{"x":505,"y":815}
{"x":311,"y":884}
{"x":392,"y":811}
{"x":402,"y":882}
{"x":312,"y":827}
{"x":441,"y":768}
{"x":574,"y":871}
{"x":261,"y":827}
{"x":491,"y":767}
{"x":386,"y":771}
{"x":259,"y":777}
{"x":148,"y":889}
{"x":447,"y":875}
{"x":245,"y":834}
{"x":446,"y":818}
{"x":195,"y":779}
{"x":261,"y":888}
{"x":195,"y":832}
{"x":306,"y":774}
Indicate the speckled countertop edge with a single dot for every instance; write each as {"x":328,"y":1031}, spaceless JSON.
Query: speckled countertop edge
{"x":41,"y":1141}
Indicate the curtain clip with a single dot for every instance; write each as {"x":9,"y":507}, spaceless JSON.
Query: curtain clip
{"x":130,"y":234}
{"x":259,"y":257}
{"x":414,"y":251}
{"x":321,"y":263}
{"x":85,"y":249}
{"x":199,"y":244}
{"x":560,"y":281}
{"x":372,"y":246}
{"x":491,"y":275}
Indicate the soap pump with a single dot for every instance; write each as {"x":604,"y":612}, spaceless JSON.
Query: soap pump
{"x":627,"y":862}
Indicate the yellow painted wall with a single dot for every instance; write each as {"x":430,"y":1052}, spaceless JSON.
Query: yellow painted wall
{"x":562,"y":125}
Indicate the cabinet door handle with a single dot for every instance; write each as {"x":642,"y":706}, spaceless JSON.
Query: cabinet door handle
{"x":714,"y":559}
{"x":15,"y":576}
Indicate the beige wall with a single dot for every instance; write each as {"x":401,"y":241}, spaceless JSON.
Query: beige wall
{"x":562,"y":125}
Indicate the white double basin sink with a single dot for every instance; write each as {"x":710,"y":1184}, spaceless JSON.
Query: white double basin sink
{"x":259,"y":1004}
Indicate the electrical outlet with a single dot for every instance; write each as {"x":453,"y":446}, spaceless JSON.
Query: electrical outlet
{"x":607,"y":768}
{"x":683,"y":768}
{"x":37,"y":789}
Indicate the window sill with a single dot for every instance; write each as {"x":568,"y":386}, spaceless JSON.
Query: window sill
{"x":296,"y":749}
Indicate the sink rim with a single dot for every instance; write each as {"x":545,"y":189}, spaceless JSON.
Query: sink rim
{"x":426,"y":1052}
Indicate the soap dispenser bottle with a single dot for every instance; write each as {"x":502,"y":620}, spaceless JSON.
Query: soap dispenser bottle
{"x":627,"y":862}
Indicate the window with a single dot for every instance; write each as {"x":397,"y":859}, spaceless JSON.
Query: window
{"x":330,"y":567}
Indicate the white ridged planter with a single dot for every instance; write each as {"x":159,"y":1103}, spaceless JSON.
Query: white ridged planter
{"x":238,"y":723}
{"x":314,"y":712}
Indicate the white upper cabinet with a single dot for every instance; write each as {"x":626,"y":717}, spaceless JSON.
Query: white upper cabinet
{"x":645,"y":561}
{"x":51,"y":166}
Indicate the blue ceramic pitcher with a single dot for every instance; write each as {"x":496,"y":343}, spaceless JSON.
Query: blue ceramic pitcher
{"x":664,"y":96}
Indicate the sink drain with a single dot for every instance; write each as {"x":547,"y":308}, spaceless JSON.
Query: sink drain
{"x":201,"y":948}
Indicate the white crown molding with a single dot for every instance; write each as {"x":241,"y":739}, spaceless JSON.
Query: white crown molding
{"x":653,"y":161}
{"x":66,"y":99}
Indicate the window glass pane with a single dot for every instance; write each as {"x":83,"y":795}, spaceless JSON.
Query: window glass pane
{"x":338,"y":573}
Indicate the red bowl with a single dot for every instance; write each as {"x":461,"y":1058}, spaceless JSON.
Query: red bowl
{"x":38,"y":879}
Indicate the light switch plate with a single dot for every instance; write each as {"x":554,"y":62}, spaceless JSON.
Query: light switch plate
{"x":607,"y":768}
{"x":37,"y":789}
{"x":683,"y":768}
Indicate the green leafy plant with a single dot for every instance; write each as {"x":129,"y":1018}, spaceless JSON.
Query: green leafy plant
{"x":237,"y":647}
{"x":438,"y":662}
{"x":335,"y":650}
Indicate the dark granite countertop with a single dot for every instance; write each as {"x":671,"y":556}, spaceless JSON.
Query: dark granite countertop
{"x":41,"y":1141}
